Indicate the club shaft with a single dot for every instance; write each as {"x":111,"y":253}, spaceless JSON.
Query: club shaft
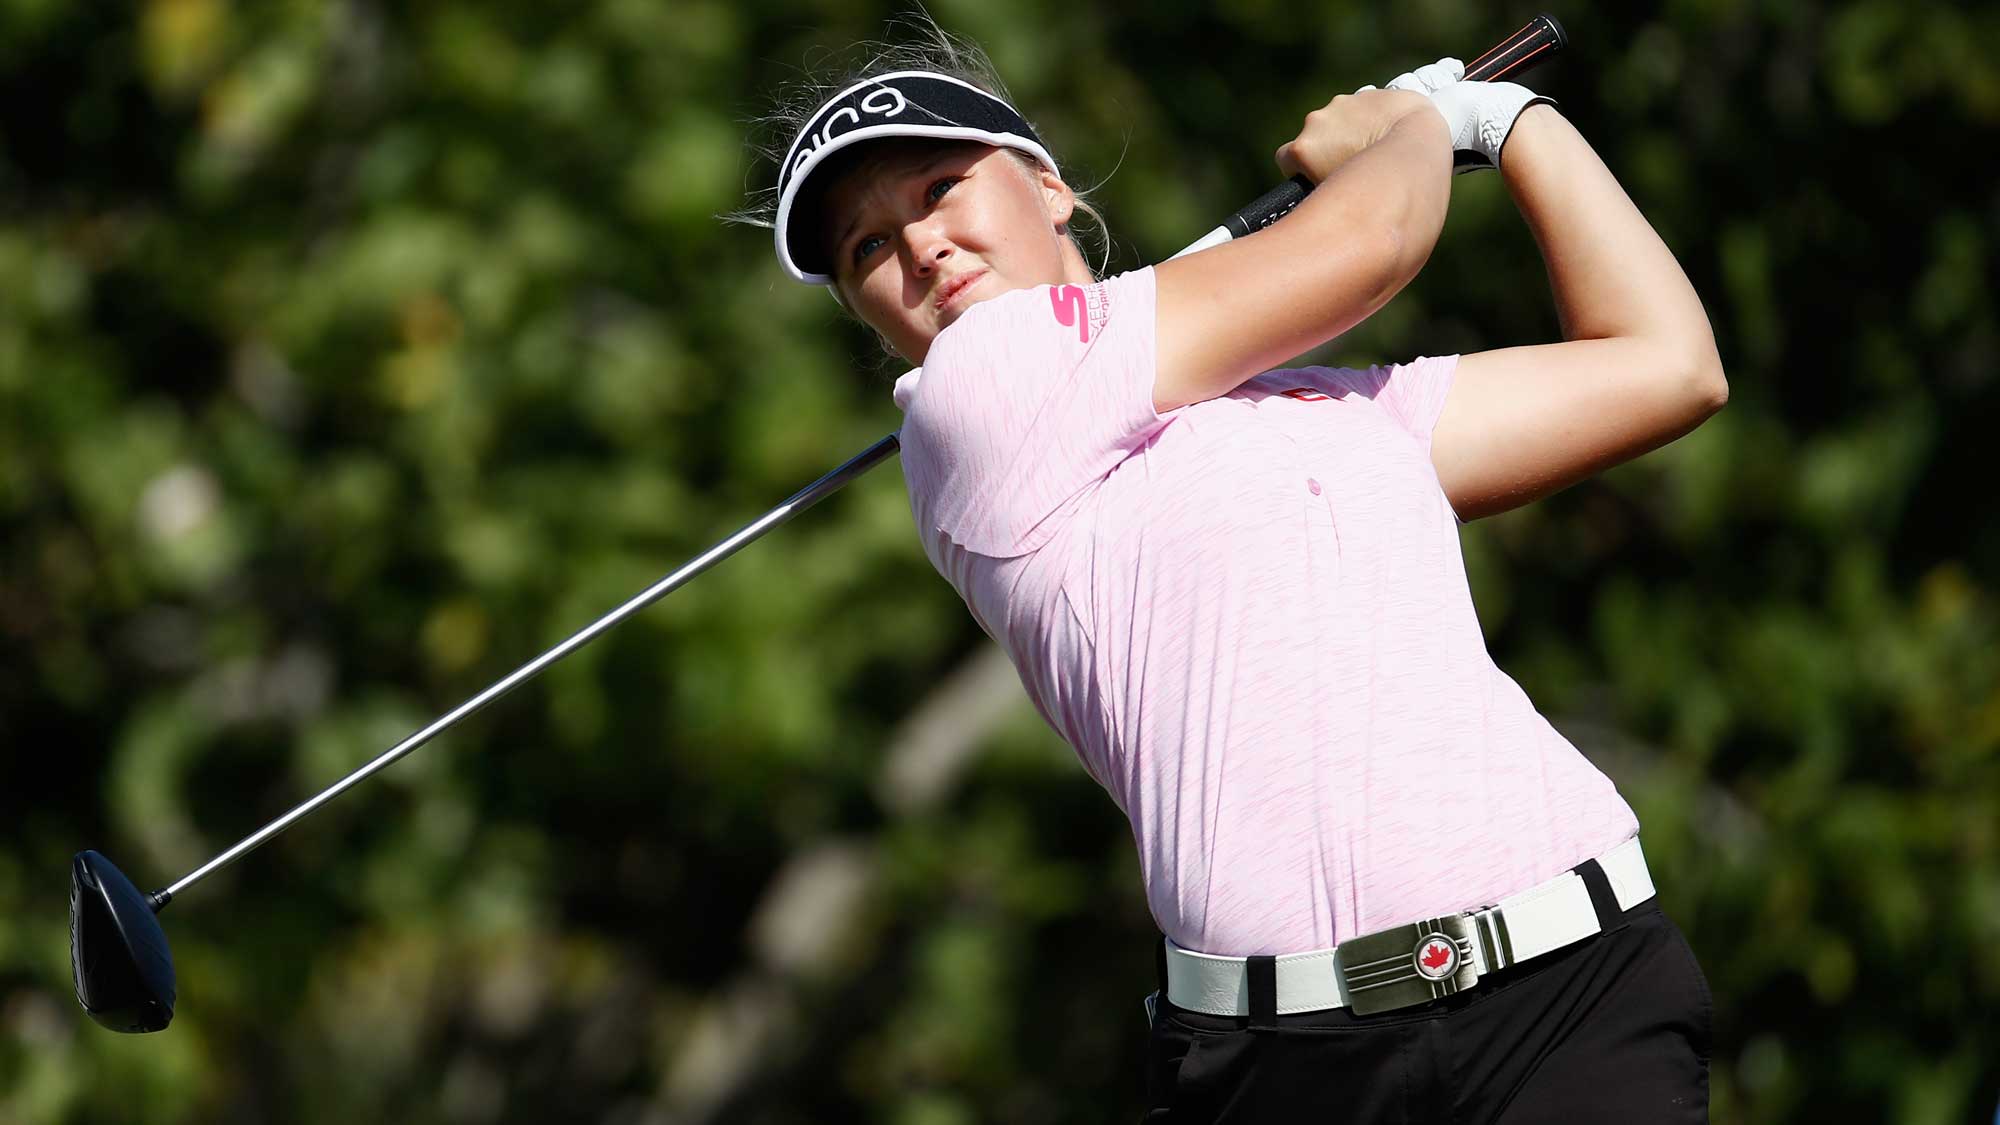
{"x":1525,"y":48}
{"x":805,"y":498}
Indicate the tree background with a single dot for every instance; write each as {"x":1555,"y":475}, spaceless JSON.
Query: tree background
{"x":351,"y":353}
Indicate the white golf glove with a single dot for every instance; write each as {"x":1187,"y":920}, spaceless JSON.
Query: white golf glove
{"x":1479,"y":114}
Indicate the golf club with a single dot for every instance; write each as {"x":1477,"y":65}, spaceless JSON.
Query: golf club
{"x":123,"y":968}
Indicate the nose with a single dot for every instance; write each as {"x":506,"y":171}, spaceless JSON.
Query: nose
{"x":927,"y":246}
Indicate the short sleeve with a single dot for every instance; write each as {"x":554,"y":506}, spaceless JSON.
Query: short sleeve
{"x":1413,"y":393}
{"x":1026,"y":403}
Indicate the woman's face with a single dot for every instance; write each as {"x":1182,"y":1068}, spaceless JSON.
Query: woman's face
{"x":924,"y":231}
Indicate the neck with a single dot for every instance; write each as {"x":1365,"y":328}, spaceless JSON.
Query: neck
{"x":1075,"y":270}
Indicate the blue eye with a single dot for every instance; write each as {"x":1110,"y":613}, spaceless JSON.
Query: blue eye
{"x":945,"y":183}
{"x":866,"y":247}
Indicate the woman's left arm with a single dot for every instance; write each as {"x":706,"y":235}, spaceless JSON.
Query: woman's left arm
{"x":1637,"y":367}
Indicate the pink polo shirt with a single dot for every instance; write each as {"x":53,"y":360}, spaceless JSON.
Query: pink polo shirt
{"x":1250,"y":618}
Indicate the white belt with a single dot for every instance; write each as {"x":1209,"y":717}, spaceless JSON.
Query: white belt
{"x":1421,"y":961}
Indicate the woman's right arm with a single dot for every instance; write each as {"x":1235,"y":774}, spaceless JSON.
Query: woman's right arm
{"x":1382,"y":160}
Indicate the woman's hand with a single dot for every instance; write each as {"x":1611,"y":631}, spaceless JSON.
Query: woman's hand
{"x":1334,"y":133}
{"x":1479,"y":114}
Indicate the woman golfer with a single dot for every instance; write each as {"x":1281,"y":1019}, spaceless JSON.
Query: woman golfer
{"x":1390,"y":890}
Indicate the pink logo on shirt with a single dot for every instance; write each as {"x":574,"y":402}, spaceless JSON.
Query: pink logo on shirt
{"x":1071,"y":309}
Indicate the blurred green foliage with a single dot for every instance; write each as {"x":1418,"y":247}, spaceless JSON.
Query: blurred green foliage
{"x":351,"y":353}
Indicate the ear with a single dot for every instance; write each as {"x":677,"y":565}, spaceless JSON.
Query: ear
{"x":1056,"y":196}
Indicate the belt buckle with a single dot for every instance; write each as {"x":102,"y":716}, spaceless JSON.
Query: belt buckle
{"x":1407,"y":965}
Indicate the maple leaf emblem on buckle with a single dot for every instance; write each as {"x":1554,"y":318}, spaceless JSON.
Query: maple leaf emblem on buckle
{"x":1435,"y":957}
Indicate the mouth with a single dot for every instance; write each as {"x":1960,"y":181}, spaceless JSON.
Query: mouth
{"x":957,"y":285}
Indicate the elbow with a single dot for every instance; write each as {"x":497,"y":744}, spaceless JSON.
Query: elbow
{"x":1707,"y":385}
{"x":1371,"y":266}
{"x":1689,"y":378}
{"x":1413,"y":231}
{"x":1396,"y":250}
{"x":1714,"y":393}
{"x":1389,"y":261}
{"x":1397,"y":239}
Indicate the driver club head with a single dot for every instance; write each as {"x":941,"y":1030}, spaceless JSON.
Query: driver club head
{"x":124,"y":971}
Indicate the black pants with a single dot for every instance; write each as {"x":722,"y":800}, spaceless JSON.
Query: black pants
{"x":1615,"y":1028}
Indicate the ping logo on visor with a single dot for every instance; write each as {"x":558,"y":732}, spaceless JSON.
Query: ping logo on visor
{"x":906,"y":103}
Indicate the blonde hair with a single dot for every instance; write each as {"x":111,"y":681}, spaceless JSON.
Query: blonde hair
{"x":931,"y":48}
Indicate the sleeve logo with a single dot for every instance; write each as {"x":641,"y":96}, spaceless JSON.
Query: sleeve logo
{"x":1072,"y":309}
